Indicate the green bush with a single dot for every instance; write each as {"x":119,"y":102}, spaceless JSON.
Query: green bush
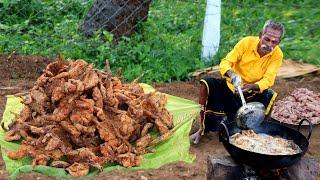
{"x":167,"y":46}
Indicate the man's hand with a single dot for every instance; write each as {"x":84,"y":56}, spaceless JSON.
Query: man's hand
{"x":195,"y":137}
{"x":250,"y":87}
{"x":234,"y":77}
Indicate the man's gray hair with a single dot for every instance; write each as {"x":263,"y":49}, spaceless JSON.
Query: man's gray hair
{"x":274,"y":25}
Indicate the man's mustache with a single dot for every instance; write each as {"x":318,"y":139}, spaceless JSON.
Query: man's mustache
{"x":266,"y":48}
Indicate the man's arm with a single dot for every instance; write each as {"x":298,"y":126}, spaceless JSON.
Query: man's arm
{"x":229,"y":73}
{"x":234,"y":77}
{"x":232,"y":57}
{"x":250,"y":87}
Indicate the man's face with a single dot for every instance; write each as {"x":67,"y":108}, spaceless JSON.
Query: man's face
{"x":269,"y":39}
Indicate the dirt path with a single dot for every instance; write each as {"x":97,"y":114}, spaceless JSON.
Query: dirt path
{"x":179,"y":170}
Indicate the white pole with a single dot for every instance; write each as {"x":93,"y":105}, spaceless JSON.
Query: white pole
{"x":211,"y":30}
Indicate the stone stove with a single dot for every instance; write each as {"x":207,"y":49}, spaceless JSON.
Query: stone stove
{"x":224,"y":167}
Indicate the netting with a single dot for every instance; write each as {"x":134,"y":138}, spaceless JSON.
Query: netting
{"x":119,"y":17}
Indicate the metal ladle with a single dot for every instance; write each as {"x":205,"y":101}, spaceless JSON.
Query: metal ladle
{"x":249,"y":115}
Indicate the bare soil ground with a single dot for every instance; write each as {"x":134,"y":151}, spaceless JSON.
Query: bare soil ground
{"x":19,"y":72}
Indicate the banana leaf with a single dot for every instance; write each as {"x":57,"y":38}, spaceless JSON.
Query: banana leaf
{"x":174,"y":148}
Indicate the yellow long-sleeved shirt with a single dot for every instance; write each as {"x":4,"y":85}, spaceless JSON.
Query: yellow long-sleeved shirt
{"x":245,"y":60}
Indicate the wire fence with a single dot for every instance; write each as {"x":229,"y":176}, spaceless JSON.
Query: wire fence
{"x":120,"y":17}
{"x":53,"y":26}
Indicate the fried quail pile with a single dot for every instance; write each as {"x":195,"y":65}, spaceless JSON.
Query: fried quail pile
{"x":76,"y":117}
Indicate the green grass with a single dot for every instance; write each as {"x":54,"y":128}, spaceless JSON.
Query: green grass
{"x":167,"y":46}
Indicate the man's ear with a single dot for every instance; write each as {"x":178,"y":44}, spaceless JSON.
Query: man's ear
{"x":260,"y":34}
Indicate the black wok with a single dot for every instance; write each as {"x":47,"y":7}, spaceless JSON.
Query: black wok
{"x":264,"y":161}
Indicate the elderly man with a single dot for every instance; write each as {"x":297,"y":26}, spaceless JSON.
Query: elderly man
{"x":253,"y":63}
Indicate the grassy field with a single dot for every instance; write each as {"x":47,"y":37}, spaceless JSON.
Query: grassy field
{"x":167,"y":46}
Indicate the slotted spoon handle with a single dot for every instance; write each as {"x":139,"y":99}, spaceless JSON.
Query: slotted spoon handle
{"x":241,"y":95}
